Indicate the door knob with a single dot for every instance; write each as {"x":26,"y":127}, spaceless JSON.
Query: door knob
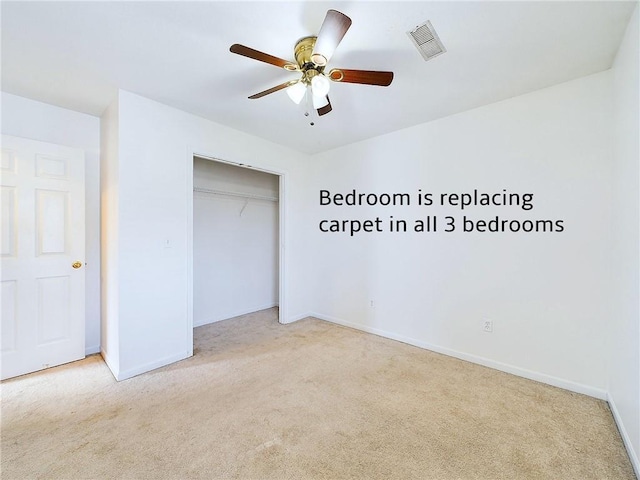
{"x":76,"y":264}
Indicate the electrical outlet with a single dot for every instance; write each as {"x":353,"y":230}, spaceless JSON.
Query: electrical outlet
{"x":371,"y":303}
{"x":488,"y":326}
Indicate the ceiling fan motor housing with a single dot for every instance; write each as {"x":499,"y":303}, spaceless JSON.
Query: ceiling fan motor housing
{"x":302,"y":51}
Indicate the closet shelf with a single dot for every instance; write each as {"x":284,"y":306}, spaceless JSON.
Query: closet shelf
{"x":210,"y":191}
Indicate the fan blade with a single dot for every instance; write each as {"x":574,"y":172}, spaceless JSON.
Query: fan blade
{"x":367,"y":77}
{"x":333,"y":28}
{"x":262,"y":57}
{"x":326,"y":109}
{"x":273,"y":89}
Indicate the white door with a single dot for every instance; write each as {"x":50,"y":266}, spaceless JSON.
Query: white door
{"x":42,"y":248}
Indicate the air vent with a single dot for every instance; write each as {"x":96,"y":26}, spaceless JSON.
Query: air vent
{"x":426,"y":40}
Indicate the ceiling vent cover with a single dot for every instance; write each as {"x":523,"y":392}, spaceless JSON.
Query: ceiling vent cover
{"x":426,"y":40}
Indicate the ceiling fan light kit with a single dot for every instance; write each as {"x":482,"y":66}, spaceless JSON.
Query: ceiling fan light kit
{"x":320,"y":86}
{"x":312,"y":54}
{"x":296,"y":92}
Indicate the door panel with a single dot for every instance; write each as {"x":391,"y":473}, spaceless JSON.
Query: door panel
{"x":42,"y":195}
{"x":54,"y":309}
{"x":52,"y":167}
{"x":9,"y":324}
{"x":8,"y":164}
{"x":9,"y":221}
{"x":52,"y":222}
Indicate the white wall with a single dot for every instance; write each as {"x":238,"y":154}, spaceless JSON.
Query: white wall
{"x":235,"y":242}
{"x":22,"y":117}
{"x":156,"y":144}
{"x":624,"y":325}
{"x":547,"y":294}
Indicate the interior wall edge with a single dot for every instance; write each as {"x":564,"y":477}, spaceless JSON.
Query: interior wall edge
{"x":485,"y":362}
{"x":626,"y":438}
{"x":623,"y":355}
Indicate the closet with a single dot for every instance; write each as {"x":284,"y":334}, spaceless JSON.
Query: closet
{"x":235,"y":240}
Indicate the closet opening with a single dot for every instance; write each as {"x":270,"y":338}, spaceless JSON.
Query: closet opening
{"x":236,"y":265}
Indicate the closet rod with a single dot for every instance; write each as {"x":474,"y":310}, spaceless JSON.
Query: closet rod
{"x":232,"y":194}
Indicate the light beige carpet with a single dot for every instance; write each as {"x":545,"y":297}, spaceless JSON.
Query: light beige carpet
{"x":309,"y":400}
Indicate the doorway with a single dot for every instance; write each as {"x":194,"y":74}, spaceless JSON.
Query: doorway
{"x":42,"y":253}
{"x":236,"y":232}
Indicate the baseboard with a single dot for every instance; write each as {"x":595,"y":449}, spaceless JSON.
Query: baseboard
{"x":91,"y":350}
{"x":625,"y":435}
{"x":295,"y":318}
{"x":132,"y":372}
{"x":503,"y":367}
{"x":112,"y":366}
{"x":235,"y":314}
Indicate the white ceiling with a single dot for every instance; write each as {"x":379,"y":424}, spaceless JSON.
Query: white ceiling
{"x":77,"y":54}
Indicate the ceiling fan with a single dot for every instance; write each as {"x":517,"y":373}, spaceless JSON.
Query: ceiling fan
{"x":312,"y":54}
